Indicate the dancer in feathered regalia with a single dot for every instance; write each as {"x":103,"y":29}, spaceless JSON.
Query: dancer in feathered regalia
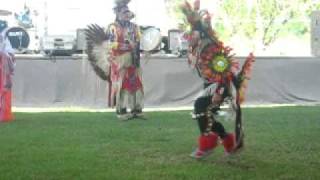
{"x":219,"y":70}
{"x":115,"y":56}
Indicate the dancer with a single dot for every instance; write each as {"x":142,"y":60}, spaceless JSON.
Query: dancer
{"x":7,"y":62}
{"x":121,"y":61}
{"x":219,"y":71}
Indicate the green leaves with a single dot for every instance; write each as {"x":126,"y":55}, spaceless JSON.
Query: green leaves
{"x":261,"y":21}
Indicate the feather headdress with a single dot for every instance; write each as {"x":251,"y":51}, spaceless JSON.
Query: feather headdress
{"x":215,"y":61}
{"x":119,"y":4}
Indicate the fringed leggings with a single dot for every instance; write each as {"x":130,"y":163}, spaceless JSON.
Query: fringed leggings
{"x":200,"y":108}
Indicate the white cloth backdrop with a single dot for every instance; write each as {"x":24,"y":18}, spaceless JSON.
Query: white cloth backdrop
{"x":168,"y":82}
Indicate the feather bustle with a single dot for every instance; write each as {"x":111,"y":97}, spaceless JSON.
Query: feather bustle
{"x":97,"y":50}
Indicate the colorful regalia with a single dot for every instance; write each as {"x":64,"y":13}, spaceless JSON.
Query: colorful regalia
{"x":7,"y":62}
{"x":219,"y":69}
{"x":115,"y":56}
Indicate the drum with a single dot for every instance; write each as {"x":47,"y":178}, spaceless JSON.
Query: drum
{"x":150,"y":39}
{"x":19,"y":39}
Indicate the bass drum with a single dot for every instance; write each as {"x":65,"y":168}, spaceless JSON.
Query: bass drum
{"x":19,"y":39}
{"x":150,"y":39}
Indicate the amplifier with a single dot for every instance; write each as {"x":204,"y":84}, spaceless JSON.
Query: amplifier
{"x":177,"y":44}
{"x":81,"y":42}
{"x":58,"y":45}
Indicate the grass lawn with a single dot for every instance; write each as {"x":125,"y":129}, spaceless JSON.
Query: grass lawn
{"x":280,"y":143}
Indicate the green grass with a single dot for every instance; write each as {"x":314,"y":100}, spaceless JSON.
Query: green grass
{"x":280,"y":143}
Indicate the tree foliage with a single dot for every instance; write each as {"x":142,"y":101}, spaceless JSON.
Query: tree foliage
{"x":262,"y":21}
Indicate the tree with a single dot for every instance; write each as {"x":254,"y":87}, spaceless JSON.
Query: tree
{"x":262,"y":21}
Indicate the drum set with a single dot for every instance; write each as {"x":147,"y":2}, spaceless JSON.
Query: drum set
{"x":24,"y":39}
{"x":18,"y":36}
